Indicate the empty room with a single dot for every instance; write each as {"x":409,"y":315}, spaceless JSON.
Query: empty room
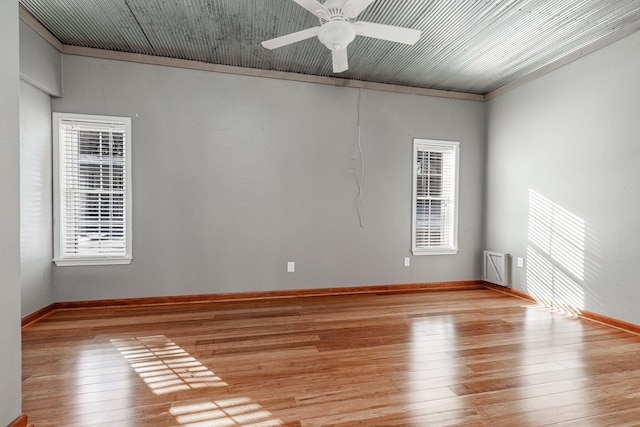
{"x":319,"y":213}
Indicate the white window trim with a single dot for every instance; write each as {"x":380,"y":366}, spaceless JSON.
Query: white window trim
{"x":435,"y":145}
{"x":58,"y":258}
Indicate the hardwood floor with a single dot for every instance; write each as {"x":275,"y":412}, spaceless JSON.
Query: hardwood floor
{"x":463,"y":357}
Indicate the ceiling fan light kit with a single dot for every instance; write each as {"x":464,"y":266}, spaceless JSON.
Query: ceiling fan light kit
{"x":336,"y":35}
{"x":338,"y":27}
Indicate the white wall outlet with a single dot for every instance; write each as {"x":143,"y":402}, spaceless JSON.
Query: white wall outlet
{"x":520,"y":262}
{"x":291,"y":267}
{"x":407,"y":262}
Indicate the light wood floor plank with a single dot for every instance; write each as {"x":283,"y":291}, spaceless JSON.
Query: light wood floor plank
{"x":471,"y":357}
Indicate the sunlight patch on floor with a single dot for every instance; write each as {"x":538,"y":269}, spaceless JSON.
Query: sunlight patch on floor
{"x":167,"y":368}
{"x":164,"y":366}
{"x":222,"y":413}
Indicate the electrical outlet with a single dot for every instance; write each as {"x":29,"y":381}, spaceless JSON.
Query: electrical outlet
{"x":291,"y":267}
{"x":520,"y":262}
{"x":407,"y":262}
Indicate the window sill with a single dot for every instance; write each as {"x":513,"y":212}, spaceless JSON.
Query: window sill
{"x":70,"y":262}
{"x":439,"y":251}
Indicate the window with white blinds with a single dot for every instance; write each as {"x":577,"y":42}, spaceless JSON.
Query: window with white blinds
{"x":92,"y":190}
{"x":435,"y":197}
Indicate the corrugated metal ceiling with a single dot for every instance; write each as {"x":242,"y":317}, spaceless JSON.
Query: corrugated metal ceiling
{"x":472,"y":46}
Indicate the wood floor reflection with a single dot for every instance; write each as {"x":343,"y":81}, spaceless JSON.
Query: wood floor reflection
{"x":463,"y":357}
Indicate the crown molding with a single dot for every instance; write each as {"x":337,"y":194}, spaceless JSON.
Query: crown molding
{"x":36,"y":26}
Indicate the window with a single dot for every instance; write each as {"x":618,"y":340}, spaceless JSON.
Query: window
{"x":435,"y":197}
{"x":92,"y":192}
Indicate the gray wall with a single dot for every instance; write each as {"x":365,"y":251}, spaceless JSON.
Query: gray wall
{"x":563,"y":182}
{"x":41,"y":74}
{"x":234,"y":176}
{"x":36,"y":245}
{"x":10,"y":366}
{"x":40,"y":63}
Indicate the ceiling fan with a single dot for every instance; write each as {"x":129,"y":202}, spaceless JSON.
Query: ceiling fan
{"x":338,"y":27}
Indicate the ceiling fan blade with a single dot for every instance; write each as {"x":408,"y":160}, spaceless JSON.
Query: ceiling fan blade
{"x":353,"y":7}
{"x":387,"y":32}
{"x":340,"y":60}
{"x":314,"y":7}
{"x":291,"y":38}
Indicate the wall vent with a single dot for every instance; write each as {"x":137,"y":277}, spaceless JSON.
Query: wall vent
{"x":496,"y":268}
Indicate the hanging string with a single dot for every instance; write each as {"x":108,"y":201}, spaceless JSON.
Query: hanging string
{"x":359,"y":199}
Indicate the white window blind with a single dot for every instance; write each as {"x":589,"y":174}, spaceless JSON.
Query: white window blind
{"x":93,"y":220}
{"x":435,"y":215}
